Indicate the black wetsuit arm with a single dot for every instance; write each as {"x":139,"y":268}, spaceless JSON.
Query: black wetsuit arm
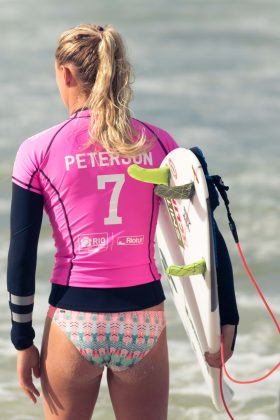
{"x":25,"y":225}
{"x":226,"y":293}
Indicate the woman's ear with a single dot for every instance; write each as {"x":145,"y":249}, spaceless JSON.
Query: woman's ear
{"x":69,"y":79}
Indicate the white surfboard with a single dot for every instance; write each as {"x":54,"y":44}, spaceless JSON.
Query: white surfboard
{"x":184,"y":236}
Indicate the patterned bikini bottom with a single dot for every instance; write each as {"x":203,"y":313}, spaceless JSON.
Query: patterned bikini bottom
{"x":117,"y":340}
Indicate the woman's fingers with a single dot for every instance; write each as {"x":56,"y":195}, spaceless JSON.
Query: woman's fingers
{"x":29,"y":388}
{"x":215,"y":360}
{"x":28,"y":362}
{"x":26,"y":383}
{"x":32,"y":393}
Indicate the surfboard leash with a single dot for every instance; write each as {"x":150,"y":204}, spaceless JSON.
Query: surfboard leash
{"x":223,"y":368}
{"x":222,"y":188}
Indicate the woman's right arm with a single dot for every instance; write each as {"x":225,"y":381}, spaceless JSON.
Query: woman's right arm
{"x":26,"y":220}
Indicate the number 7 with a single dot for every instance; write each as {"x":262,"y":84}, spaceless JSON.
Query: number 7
{"x":113,"y":218}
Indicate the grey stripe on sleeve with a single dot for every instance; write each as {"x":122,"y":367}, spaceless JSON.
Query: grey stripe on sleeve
{"x":22,"y":300}
{"x":22,"y":317}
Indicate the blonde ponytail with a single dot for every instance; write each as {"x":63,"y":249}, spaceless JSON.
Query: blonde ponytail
{"x":100,"y":59}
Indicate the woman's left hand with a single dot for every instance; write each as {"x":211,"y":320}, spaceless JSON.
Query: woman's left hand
{"x":214,"y":359}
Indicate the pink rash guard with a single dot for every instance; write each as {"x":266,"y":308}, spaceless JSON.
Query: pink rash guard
{"x":103,"y":221}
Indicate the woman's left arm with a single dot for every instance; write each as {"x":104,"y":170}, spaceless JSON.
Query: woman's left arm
{"x":229,"y":316}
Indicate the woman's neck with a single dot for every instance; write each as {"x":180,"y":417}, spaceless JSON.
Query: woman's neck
{"x":76,"y":104}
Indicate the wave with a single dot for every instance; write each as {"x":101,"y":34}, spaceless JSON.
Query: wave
{"x":254,"y":302}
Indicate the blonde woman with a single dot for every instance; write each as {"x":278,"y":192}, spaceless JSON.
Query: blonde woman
{"x":106,"y":301}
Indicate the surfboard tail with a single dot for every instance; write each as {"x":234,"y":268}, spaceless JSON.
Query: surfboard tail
{"x":217,"y":398}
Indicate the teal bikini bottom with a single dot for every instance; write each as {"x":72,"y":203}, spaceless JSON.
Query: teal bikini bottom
{"x":117,"y":340}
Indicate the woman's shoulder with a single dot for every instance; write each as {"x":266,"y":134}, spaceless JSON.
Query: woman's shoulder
{"x":144,"y":124}
{"x":162,"y":136}
{"x":44,"y":136}
{"x":33,"y":150}
{"x":36,"y":147}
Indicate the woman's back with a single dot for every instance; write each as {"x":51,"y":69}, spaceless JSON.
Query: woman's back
{"x":103,"y":221}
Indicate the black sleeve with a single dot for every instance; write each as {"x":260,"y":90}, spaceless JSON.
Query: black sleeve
{"x":226,"y":293}
{"x":26,"y":220}
{"x":227,"y":300}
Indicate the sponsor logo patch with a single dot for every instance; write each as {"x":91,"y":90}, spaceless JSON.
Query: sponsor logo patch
{"x":93,"y":242}
{"x":130,"y":240}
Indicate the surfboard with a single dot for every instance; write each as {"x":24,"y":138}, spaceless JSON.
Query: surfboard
{"x":187,"y":251}
{"x":185,"y":236}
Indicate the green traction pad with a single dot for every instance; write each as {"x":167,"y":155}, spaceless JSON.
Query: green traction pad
{"x":153,"y":176}
{"x":198,"y":267}
{"x":179,"y":193}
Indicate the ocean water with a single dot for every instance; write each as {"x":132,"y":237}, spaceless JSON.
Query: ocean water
{"x":207,"y":71}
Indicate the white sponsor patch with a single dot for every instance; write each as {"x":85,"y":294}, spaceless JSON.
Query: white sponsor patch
{"x":130,"y":240}
{"x":90,"y":242}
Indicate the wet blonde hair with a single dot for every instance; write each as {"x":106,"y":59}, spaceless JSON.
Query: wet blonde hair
{"x":99,"y":58}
